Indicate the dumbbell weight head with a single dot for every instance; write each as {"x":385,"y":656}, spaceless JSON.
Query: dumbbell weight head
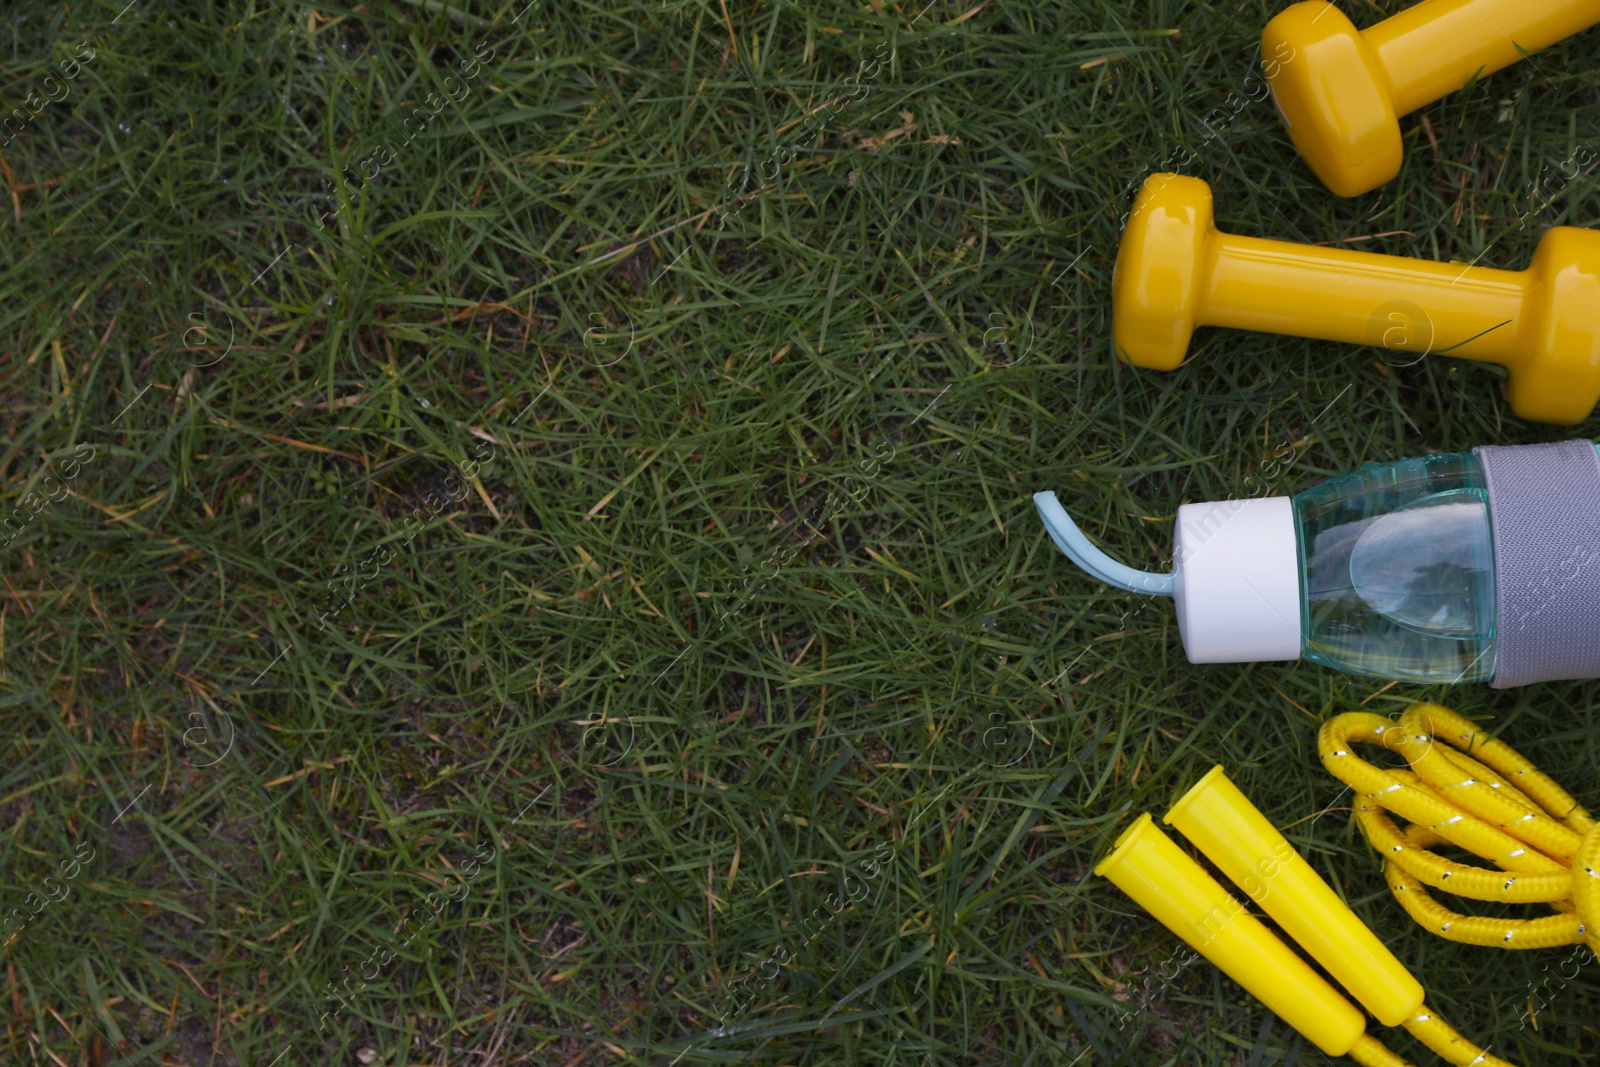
{"x":1334,"y":96}
{"x":1555,"y":369}
{"x":1157,"y":282}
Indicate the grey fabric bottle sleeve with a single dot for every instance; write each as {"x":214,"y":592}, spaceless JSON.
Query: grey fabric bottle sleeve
{"x":1544,"y":515}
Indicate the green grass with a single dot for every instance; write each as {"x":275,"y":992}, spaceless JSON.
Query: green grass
{"x":663,"y":661}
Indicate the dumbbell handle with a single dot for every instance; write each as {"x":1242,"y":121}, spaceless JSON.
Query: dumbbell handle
{"x":1259,"y":284}
{"x":1433,"y":48}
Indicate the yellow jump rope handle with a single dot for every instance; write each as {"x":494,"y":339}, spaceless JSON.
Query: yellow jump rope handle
{"x":1148,"y":866}
{"x":1166,"y":882}
{"x":1232,"y":833}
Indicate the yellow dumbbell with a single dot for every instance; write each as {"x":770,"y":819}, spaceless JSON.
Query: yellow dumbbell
{"x":1176,"y":270}
{"x":1341,"y":90}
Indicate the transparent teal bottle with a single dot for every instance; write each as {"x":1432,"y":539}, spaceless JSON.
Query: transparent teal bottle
{"x":1389,"y":571}
{"x":1398,"y":568}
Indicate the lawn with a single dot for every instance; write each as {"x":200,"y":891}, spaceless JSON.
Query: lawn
{"x":542,"y":528}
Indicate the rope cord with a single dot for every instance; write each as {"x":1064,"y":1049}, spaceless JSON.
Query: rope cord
{"x":1483,"y":796}
{"x":1546,"y":844}
{"x":1438,"y":1035}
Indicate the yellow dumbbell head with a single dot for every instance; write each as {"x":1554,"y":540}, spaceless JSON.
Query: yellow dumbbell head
{"x":1156,"y":292}
{"x":1555,"y":373}
{"x":1334,"y":96}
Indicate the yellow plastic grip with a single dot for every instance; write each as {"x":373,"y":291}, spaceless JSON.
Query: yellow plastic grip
{"x":1232,"y":833}
{"x":1166,"y":882}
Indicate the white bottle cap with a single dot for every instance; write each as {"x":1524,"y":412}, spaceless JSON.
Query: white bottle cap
{"x":1237,"y":581}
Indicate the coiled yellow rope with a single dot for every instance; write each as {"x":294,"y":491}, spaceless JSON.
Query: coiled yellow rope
{"x":1489,"y":800}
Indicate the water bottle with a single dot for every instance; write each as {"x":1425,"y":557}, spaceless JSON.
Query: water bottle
{"x":1451,"y":567}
